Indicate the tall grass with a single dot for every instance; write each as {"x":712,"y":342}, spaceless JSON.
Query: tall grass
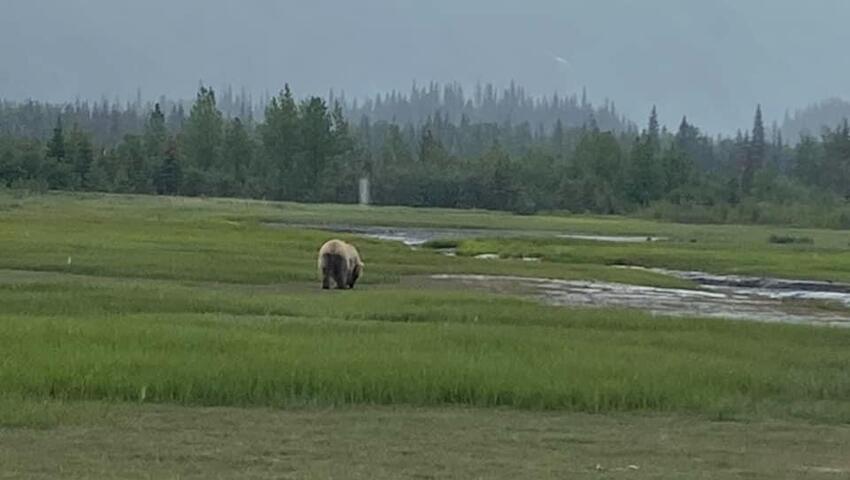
{"x":223,"y":360}
{"x":201,"y":345}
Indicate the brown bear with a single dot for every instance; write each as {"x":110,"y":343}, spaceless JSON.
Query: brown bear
{"x":340,"y":261}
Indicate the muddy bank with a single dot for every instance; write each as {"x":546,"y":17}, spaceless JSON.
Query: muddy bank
{"x":416,"y":236}
{"x":660,"y":301}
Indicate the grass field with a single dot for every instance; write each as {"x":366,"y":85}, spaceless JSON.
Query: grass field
{"x":117,"y":309}
{"x":154,"y":441}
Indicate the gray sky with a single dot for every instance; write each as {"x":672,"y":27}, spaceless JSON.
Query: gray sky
{"x":712,"y":60}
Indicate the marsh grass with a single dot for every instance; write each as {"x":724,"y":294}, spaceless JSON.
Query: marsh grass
{"x":193,"y":302}
{"x":795,"y":261}
{"x":130,"y":341}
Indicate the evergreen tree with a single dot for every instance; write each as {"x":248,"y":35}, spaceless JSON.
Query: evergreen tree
{"x":11,"y":169}
{"x":755,"y":153}
{"x":431,"y":150}
{"x":836,"y":160}
{"x":281,"y":141}
{"x":58,"y":171}
{"x":317,"y":142}
{"x":155,"y":135}
{"x":558,"y":138}
{"x":238,"y":153}
{"x":169,"y":175}
{"x":501,"y":192}
{"x":138,"y":177}
{"x":653,"y":137}
{"x":677,"y":167}
{"x":80,"y":159}
{"x":202,"y":134}
{"x":646,"y":177}
{"x":56,"y":145}
{"x":98,"y":178}
{"x":341,"y":131}
{"x":176,"y":118}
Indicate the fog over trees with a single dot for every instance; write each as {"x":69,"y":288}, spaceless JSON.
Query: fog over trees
{"x":601,"y":107}
{"x":710,"y":60}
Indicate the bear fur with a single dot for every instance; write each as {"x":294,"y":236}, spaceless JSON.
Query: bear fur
{"x":341,"y":262}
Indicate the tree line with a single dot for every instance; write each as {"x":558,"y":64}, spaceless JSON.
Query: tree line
{"x":109,"y":121}
{"x":306,"y":150}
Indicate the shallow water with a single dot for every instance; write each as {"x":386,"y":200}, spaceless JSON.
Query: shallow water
{"x":758,"y":306}
{"x":415,"y":236}
{"x":723,"y":296}
{"x":611,"y":238}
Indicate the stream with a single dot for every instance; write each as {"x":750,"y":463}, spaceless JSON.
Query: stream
{"x":718,"y":296}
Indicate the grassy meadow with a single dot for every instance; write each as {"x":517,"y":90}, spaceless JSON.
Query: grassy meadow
{"x":123,"y":302}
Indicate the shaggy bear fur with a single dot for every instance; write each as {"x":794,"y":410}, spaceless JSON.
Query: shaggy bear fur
{"x":340,"y":261}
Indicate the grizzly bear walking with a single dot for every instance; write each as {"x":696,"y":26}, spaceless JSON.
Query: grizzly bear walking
{"x":340,"y":261}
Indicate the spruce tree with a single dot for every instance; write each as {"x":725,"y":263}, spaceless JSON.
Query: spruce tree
{"x":80,"y":157}
{"x":500,"y":188}
{"x":281,"y":143}
{"x":155,"y":135}
{"x":757,"y":141}
{"x":754,"y":153}
{"x":317,"y":144}
{"x":203,"y":132}
{"x":431,"y":151}
{"x":58,"y":171}
{"x":558,"y":137}
{"x":138,"y":177}
{"x":238,"y":153}
{"x":56,"y":145}
{"x":169,"y":175}
{"x":653,"y":136}
{"x":645,"y":174}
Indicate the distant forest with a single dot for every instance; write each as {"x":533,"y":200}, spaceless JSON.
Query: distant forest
{"x":811,"y":119}
{"x":434,"y":146}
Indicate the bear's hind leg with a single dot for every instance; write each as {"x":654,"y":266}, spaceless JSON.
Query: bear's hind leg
{"x":339,"y":274}
{"x":340,"y":280}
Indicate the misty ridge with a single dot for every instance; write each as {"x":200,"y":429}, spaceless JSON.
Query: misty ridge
{"x":688,"y":128}
{"x":419,"y":105}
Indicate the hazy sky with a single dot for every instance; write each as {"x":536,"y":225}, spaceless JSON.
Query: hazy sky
{"x":710,"y":59}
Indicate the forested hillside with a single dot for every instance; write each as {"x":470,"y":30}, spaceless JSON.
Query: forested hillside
{"x":432,"y":147}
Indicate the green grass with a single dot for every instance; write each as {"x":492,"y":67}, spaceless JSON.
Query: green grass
{"x":70,"y":338}
{"x":117,"y":441}
{"x":784,"y":261}
{"x":218,"y":240}
{"x":621,"y":362}
{"x":195,"y":302}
